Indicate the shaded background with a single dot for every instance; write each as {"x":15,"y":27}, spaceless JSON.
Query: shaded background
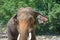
{"x":51,"y":8}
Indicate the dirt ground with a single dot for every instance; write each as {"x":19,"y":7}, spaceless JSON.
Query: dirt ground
{"x":42,"y":38}
{"x":3,"y":38}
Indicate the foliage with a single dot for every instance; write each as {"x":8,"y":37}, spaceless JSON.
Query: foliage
{"x":54,"y":19}
{"x":51,"y":8}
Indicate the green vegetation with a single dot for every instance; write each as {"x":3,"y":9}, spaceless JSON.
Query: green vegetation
{"x":51,"y":8}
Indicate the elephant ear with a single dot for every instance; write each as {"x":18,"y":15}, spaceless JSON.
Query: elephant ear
{"x":15,"y":18}
{"x":39,"y":18}
{"x":36,"y":14}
